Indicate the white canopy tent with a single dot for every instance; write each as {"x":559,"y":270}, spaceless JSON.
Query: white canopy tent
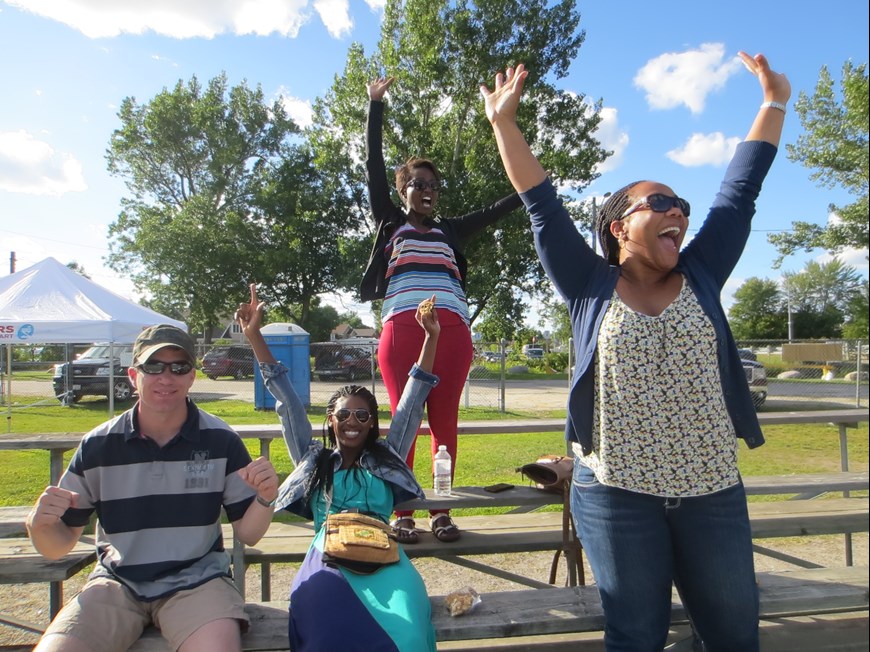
{"x":48,"y":303}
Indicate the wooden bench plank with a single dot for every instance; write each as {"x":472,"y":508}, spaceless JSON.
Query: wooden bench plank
{"x":570,"y":610}
{"x":12,"y":520}
{"x":21,"y":564}
{"x":525,"y":495}
{"x":505,"y":533}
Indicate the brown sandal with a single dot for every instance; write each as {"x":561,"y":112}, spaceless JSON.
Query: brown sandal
{"x":444,"y":528}
{"x":405,"y":530}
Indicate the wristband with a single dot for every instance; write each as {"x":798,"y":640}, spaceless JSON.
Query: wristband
{"x":265,"y":503}
{"x":773,"y":105}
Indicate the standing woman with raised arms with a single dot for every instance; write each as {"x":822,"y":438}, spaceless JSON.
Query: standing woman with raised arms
{"x":659,"y":396}
{"x":416,"y":255}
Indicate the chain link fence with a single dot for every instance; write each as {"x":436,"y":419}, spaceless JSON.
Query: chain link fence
{"x":832,"y":373}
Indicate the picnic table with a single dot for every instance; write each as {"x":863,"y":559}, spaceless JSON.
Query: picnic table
{"x":58,"y":443}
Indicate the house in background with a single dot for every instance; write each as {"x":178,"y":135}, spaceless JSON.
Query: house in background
{"x":348,"y":332}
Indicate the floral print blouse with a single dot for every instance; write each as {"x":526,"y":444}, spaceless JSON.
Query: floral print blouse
{"x":662,"y":426}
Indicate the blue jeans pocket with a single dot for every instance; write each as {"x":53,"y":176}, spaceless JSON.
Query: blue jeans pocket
{"x":583,"y":476}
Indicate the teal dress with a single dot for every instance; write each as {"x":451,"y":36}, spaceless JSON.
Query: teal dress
{"x":335,"y":609}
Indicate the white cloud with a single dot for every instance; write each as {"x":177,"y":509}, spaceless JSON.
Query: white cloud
{"x":676,"y":78}
{"x":334,"y":14}
{"x":32,"y":167}
{"x":376,"y":5}
{"x":298,"y":109}
{"x":187,"y":19}
{"x":612,"y":138}
{"x":850,"y":256}
{"x":705,"y":149}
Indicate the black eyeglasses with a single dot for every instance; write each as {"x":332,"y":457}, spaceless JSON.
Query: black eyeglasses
{"x":176,"y":368}
{"x":659,"y":203}
{"x":362,"y":415}
{"x":420,"y":184}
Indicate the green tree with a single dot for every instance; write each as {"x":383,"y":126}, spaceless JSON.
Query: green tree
{"x":78,"y":269}
{"x":820,"y":296}
{"x":835,"y":146}
{"x":441,"y":52}
{"x":857,"y":312}
{"x":757,"y":313}
{"x":302,"y":215}
{"x":192,"y":159}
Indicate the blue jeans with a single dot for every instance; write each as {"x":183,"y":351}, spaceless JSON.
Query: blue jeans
{"x":638,"y":545}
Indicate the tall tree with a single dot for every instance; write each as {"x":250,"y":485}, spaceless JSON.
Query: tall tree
{"x":835,"y":147}
{"x":820,"y":296}
{"x":192,"y":159}
{"x":302,"y":215}
{"x":757,"y":313}
{"x":858,"y":314}
{"x":441,"y":51}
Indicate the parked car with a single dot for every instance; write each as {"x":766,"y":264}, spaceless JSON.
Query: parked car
{"x":88,"y":374}
{"x":756,"y":376}
{"x":747,"y":354}
{"x":235,"y":361}
{"x":533,"y":352}
{"x":492,"y":356}
{"x":334,"y":361}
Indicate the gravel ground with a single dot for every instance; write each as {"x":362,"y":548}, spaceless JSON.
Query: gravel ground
{"x":29,"y":602}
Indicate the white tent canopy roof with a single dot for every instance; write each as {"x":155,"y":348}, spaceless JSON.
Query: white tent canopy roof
{"x":48,"y":303}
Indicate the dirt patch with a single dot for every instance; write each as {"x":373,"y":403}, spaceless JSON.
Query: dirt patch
{"x":30,"y":602}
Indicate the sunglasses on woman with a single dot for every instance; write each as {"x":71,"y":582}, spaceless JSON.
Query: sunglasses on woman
{"x":175,"y":368}
{"x":362,"y":415}
{"x":420,"y":184}
{"x":659,"y":203}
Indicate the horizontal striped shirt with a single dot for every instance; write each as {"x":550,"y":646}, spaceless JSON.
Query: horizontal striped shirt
{"x":420,"y":264}
{"x":159,"y":508}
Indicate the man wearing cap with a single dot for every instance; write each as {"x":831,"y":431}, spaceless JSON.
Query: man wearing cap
{"x":157,"y":476}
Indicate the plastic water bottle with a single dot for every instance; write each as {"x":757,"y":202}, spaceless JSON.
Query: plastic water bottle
{"x":442,"y":471}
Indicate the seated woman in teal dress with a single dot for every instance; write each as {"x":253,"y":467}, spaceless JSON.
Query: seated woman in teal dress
{"x":351,"y":468}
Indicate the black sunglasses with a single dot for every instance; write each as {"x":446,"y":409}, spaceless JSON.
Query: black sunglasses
{"x":176,"y":368}
{"x":659,"y":203}
{"x":420,"y":184}
{"x":362,"y":415}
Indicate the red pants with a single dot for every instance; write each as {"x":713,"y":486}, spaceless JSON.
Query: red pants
{"x":398,"y":350}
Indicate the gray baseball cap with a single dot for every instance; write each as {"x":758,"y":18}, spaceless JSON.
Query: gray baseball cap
{"x":154,"y":338}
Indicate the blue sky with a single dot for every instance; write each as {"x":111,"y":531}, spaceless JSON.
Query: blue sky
{"x":675,"y":100}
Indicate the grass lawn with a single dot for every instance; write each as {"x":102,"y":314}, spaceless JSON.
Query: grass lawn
{"x":482,"y":459}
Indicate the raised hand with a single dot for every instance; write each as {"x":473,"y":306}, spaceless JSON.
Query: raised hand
{"x":502,"y":102}
{"x":378,"y":88}
{"x":427,"y":316}
{"x":774,"y":85}
{"x":250,"y":315}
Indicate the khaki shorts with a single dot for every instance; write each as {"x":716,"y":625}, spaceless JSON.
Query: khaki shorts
{"x":107,"y":617}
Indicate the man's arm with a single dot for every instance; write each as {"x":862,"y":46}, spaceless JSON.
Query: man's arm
{"x":51,"y":537}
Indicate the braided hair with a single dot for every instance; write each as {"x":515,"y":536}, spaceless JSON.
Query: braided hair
{"x":324,"y":465}
{"x":609,"y":212}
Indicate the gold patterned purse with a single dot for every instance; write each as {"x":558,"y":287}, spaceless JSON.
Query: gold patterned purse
{"x":359,"y":543}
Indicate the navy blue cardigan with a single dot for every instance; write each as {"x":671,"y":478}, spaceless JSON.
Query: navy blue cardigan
{"x":587,"y":281}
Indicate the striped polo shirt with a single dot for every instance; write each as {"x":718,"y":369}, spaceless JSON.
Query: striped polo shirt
{"x":159,"y":508}
{"x":420,"y":264}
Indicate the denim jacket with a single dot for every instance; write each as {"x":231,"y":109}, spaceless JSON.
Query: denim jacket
{"x":304,"y":449}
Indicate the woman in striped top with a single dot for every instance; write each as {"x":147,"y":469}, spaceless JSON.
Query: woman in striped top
{"x":417,"y":255}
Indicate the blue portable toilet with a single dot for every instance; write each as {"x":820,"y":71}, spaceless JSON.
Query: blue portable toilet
{"x":289,"y":344}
